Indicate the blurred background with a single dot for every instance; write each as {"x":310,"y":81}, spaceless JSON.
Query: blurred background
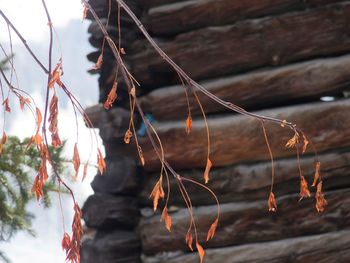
{"x":29,"y":18}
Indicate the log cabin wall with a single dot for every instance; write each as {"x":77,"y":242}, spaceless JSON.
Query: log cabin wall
{"x":274,"y":57}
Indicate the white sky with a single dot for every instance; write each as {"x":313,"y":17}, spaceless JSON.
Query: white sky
{"x":29,"y":18}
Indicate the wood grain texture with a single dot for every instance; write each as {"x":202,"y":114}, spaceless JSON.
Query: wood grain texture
{"x":184,"y":16}
{"x":236,"y":139}
{"x":103,"y":211}
{"x":118,"y":246}
{"x":271,"y":41}
{"x":153,"y":3}
{"x":248,"y":222}
{"x":252,"y":181}
{"x":325,"y":248}
{"x":261,"y":89}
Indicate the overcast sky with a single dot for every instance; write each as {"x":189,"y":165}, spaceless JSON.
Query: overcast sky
{"x":29,"y":17}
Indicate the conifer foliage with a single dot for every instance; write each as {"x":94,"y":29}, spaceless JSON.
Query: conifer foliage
{"x":18,"y":166}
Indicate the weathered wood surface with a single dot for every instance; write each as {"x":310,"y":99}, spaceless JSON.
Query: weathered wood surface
{"x":152,"y":3}
{"x":248,"y":222}
{"x":103,"y":211}
{"x":261,"y":89}
{"x":112,"y":247}
{"x":185,"y":16}
{"x":252,"y":181}
{"x":218,"y":51}
{"x":237,"y":139}
{"x":325,"y":248}
{"x":121,"y":176}
{"x":112,"y":123}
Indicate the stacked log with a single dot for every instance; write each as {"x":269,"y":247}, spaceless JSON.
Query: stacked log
{"x":330,"y":247}
{"x":300,"y":82}
{"x":231,"y":136}
{"x":251,"y":181}
{"x":112,"y":212}
{"x":246,"y":45}
{"x":276,"y":58}
{"x":170,"y":19}
{"x":263,"y":56}
{"x":249,"y":222}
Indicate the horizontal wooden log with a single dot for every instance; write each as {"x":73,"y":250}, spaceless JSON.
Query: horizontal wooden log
{"x":104,"y":211}
{"x":218,"y":51}
{"x":252,"y":181}
{"x":330,"y":247}
{"x":248,"y":222}
{"x":231,"y":136}
{"x":121,"y":176}
{"x":112,"y":247}
{"x":152,"y":3}
{"x":185,"y":16}
{"x":262,"y":89}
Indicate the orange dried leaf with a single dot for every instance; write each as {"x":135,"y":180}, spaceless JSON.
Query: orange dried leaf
{"x":56,"y":141}
{"x":189,"y":240}
{"x":317,"y":173}
{"x":4,"y":138}
{"x":293,"y":141}
{"x":39,"y":119}
{"x":212,"y":229}
{"x":142,"y":159}
{"x":166,"y":217}
{"x":65,"y":241}
{"x":37,"y":139}
{"x":127,"y":136}
{"x":23,"y":101}
{"x":99,"y":62}
{"x":56,"y":75}
{"x":85,"y":12}
{"x":304,"y":190}
{"x":73,"y":250}
{"x":76,"y":160}
{"x":85,"y":171}
{"x":207,"y":170}
{"x":6,"y":105}
{"x":201,"y":251}
{"x":157,"y":193}
{"x":272,"y":202}
{"x":305,"y":143}
{"x":188,"y":124}
{"x":53,"y":120}
{"x":3,"y":141}
{"x":37,"y":187}
{"x":101,"y":162}
{"x":321,"y":202}
{"x":112,"y":96}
